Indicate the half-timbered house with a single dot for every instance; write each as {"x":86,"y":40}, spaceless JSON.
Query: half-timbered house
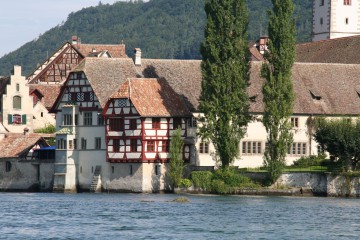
{"x":140,"y":119}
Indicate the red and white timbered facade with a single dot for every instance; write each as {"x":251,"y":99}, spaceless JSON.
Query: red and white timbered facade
{"x":131,"y":137}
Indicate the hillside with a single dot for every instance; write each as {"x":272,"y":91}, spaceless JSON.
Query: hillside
{"x":161,"y":28}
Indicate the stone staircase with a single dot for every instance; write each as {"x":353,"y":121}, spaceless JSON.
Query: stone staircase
{"x":95,"y":181}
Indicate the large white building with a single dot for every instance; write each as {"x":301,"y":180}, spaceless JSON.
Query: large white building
{"x":335,"y":19}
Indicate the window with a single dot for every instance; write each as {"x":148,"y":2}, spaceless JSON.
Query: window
{"x":17,"y":102}
{"x":165,"y":146}
{"x":130,"y":169}
{"x":80,"y":96}
{"x":156,"y":123}
{"x":75,"y":143}
{"x":346,"y":20}
{"x":83,"y":143}
{"x":88,"y":118}
{"x":17,"y":87}
{"x":78,"y":75}
{"x":133,"y":124}
{"x":251,"y":147}
{"x":347,"y":2}
{"x":61,"y":143}
{"x":176,"y":123}
{"x":100,"y":121}
{"x":112,"y":169}
{"x":116,"y":145}
{"x":67,"y":119}
{"x":133,"y":145}
{"x":76,"y":119}
{"x":157,"y":169}
{"x":151,"y":146}
{"x":192,"y":122}
{"x":16,"y":119}
{"x":7,"y":166}
{"x":297,"y":149}
{"x":97,"y":143}
{"x":321,"y":21}
{"x":71,"y":146}
{"x":204,"y":147}
{"x":322,"y":2}
{"x":116,"y":124}
{"x":294,"y":122}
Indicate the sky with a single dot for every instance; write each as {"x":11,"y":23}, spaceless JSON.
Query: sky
{"x":22,"y":21}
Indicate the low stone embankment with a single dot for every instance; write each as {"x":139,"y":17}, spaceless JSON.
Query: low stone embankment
{"x":303,"y":184}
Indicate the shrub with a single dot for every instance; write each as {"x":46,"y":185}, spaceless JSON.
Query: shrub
{"x":218,"y":186}
{"x":202,"y":179}
{"x":231,"y":177}
{"x":308,"y":161}
{"x":185,"y":183}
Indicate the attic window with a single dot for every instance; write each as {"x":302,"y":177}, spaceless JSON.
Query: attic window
{"x":315,"y":95}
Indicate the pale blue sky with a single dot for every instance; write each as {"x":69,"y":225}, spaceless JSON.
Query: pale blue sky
{"x":22,"y":21}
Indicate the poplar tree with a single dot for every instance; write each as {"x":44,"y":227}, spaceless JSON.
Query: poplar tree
{"x":176,"y":164}
{"x":225,"y":75}
{"x":278,"y":95}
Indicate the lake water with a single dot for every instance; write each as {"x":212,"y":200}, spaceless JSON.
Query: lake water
{"x":154,"y":216}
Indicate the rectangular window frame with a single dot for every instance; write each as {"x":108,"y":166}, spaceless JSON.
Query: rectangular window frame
{"x":98,"y":143}
{"x":116,"y":145}
{"x":87,"y":121}
{"x":156,"y":123}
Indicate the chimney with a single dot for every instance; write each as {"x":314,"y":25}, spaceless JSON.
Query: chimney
{"x":26,"y":131}
{"x":137,"y":56}
{"x":262,"y":44}
{"x":74,"y":40}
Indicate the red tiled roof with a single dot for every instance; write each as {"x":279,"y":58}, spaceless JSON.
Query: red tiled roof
{"x":15,"y":144}
{"x":49,"y":91}
{"x":153,"y":97}
{"x":184,"y":76}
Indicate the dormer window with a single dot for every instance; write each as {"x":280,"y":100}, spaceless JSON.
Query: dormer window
{"x":315,"y":95}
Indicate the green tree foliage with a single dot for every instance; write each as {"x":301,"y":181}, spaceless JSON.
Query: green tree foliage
{"x":278,"y":90}
{"x":161,"y":28}
{"x":176,"y":164}
{"x":341,"y":138}
{"x":225,"y":70}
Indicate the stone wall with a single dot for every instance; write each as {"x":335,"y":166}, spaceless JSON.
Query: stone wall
{"x":26,"y":175}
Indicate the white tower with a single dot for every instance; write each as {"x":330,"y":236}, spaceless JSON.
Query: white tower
{"x":335,"y":19}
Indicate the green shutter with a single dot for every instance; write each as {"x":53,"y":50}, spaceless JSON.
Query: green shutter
{"x":23,"y":120}
{"x":9,"y":118}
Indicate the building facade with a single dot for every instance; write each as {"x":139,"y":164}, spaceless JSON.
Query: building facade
{"x":335,"y":19}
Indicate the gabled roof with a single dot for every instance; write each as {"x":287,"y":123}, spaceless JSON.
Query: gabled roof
{"x":338,"y":50}
{"x":115,"y":50}
{"x":105,"y":75}
{"x":16,"y":144}
{"x":184,"y":76}
{"x":153,"y":97}
{"x":320,"y":89}
{"x":49,"y":91}
{"x":51,"y":61}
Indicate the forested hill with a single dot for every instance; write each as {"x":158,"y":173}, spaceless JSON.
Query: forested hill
{"x":161,"y":28}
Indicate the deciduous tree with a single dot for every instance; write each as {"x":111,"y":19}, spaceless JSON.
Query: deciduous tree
{"x":225,"y":70}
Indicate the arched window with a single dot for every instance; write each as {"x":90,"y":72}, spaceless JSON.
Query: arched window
{"x":17,"y":102}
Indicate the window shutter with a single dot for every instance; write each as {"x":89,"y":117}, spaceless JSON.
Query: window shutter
{"x":23,"y":120}
{"x":10,"y":118}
